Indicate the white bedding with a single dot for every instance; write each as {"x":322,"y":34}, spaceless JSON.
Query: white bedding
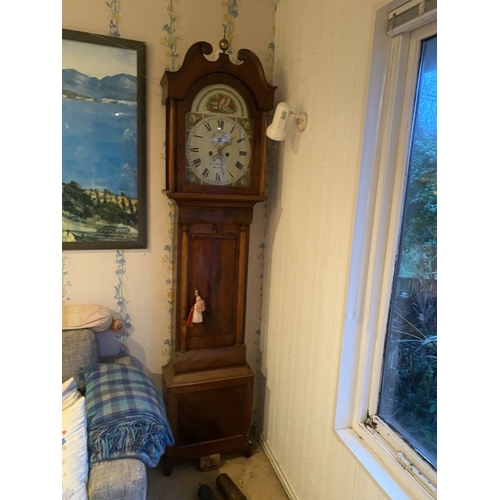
{"x":74,"y":443}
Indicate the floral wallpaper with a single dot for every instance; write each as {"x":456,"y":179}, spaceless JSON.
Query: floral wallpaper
{"x":115,"y":18}
{"x":121,"y":302}
{"x":171,"y":39}
{"x":138,"y":284}
{"x":169,"y":261}
{"x":228,"y":20}
{"x":65,"y":282}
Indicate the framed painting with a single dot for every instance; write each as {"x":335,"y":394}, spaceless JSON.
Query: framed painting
{"x":104,"y":189}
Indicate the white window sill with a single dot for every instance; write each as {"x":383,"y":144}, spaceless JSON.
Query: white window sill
{"x":373,"y":466}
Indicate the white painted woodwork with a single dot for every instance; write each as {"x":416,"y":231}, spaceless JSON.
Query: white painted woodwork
{"x":322,"y":64}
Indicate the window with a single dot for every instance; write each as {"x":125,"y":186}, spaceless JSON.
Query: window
{"x":408,"y":394}
{"x":386,"y":406}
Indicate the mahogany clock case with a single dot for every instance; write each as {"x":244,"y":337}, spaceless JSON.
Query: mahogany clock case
{"x":208,"y":385}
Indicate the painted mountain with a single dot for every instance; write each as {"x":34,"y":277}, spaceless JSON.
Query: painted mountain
{"x":99,"y":156}
{"x":120,"y":87}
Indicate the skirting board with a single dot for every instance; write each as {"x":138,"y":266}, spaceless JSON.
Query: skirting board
{"x":281,"y":476}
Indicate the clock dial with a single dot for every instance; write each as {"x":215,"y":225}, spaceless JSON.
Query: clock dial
{"x":218,"y":150}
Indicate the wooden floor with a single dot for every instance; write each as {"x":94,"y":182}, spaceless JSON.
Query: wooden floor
{"x":254,"y":476}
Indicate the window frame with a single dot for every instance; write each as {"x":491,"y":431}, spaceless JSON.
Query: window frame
{"x":391,"y":93}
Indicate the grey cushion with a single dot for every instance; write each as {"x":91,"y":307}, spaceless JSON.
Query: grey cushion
{"x":123,"y":479}
{"x":79,"y":347}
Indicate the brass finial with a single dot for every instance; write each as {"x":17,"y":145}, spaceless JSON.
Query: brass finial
{"x":224,"y":44}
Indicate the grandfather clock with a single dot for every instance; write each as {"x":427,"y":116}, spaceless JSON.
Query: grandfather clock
{"x":217,"y":115}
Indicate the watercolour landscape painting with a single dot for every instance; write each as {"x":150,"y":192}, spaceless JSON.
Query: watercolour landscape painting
{"x":103,"y":142}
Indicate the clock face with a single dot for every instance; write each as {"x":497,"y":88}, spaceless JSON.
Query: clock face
{"x":218,"y":150}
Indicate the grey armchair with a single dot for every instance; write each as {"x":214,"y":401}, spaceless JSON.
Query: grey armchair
{"x":122,"y":479}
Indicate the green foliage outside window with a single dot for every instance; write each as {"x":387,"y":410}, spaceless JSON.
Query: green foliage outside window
{"x":408,"y":398}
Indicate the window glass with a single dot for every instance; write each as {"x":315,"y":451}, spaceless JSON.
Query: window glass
{"x":408,"y":401}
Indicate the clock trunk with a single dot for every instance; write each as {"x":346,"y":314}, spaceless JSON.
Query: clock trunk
{"x":211,"y":256}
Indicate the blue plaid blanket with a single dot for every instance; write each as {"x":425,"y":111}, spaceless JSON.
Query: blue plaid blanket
{"x":126,"y":415}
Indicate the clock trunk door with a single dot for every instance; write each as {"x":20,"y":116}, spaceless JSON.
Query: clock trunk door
{"x":212,"y":260}
{"x":214,"y":251}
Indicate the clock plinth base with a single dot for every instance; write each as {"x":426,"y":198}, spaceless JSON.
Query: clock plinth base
{"x":209,"y":412}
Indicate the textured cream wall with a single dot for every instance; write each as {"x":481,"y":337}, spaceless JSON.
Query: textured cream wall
{"x":137,"y":283}
{"x":322,"y":61}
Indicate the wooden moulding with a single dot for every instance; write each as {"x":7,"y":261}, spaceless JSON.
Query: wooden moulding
{"x":215,"y":200}
{"x":205,"y":359}
{"x":241,"y":286}
{"x":196,"y":65}
{"x":171,"y":138}
{"x":183,"y":293}
{"x":174,"y":379}
{"x":215,"y":215}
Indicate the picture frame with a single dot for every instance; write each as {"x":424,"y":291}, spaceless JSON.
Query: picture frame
{"x":104,"y":191}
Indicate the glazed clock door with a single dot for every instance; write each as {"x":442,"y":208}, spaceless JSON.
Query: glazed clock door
{"x":218,"y":151}
{"x":219,"y":139}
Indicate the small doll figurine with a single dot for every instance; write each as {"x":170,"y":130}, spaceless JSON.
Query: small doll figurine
{"x":199,"y":307}
{"x":195,"y":315}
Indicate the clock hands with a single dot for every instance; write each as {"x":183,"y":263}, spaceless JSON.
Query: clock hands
{"x":221,"y":141}
{"x":218,"y":151}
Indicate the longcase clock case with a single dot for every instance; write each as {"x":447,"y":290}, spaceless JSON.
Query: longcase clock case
{"x":208,"y":385}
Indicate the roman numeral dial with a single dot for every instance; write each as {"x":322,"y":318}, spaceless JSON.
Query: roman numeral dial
{"x":218,"y":150}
